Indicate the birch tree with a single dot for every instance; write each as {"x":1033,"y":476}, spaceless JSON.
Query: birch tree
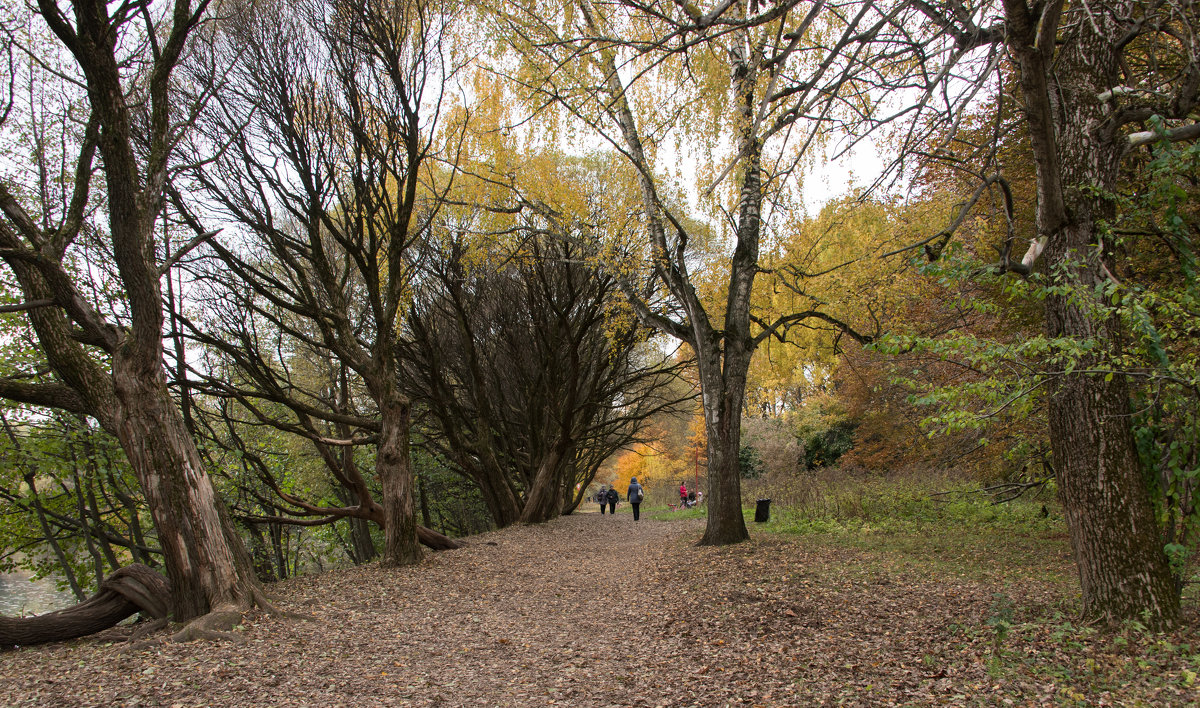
{"x":746,"y":91}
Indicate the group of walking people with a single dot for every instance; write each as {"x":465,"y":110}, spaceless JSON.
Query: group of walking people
{"x":634,"y":495}
{"x":608,"y":497}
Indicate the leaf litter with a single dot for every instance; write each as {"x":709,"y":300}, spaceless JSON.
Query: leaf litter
{"x":592,"y":610}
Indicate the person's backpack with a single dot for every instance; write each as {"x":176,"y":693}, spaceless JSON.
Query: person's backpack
{"x":637,"y":496}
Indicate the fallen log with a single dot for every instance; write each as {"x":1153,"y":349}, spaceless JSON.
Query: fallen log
{"x":134,"y":588}
{"x":435,"y":540}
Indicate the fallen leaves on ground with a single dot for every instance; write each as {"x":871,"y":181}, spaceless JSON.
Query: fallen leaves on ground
{"x":592,"y":610}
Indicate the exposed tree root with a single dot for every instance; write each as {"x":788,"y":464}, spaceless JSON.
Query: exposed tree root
{"x":218,"y":624}
{"x":264,"y":603}
{"x":134,"y":588}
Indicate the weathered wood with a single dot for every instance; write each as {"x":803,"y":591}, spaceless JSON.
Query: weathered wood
{"x":435,"y":540}
{"x":134,"y":588}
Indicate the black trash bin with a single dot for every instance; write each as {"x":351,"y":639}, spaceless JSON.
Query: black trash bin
{"x":762,"y":512}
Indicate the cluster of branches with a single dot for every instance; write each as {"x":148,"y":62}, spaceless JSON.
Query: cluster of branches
{"x":530,"y":373}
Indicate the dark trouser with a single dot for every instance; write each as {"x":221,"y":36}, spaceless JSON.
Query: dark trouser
{"x":602,"y":507}
{"x":636,"y":510}
{"x":612,"y":508}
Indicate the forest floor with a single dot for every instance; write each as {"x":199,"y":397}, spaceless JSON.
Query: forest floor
{"x":592,"y":610}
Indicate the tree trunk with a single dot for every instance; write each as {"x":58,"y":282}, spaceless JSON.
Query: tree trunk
{"x":1123,"y":570}
{"x":264,"y":569}
{"x":723,"y":368}
{"x":131,"y":589}
{"x":203,"y":570}
{"x":502,"y":504}
{"x":722,"y":424}
{"x":544,"y":500}
{"x":394,"y":467}
{"x":361,"y":543}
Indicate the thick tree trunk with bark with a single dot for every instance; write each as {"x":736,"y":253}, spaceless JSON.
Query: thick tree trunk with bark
{"x":393,"y":464}
{"x":544,"y":500}
{"x":1123,"y":570}
{"x":204,"y":570}
{"x":1077,"y":151}
{"x":134,"y":588}
{"x":723,"y":426}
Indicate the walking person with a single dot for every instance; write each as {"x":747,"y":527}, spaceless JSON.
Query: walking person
{"x":635,"y":496}
{"x":683,"y":494}
{"x":602,"y":497}
{"x":613,"y":497}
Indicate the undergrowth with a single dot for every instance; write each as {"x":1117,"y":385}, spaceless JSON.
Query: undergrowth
{"x":931,"y":531}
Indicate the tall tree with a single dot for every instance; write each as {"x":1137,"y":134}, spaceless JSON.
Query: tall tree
{"x":105,"y":349}
{"x":327,"y":114}
{"x":1091,"y":80}
{"x":738,"y":84}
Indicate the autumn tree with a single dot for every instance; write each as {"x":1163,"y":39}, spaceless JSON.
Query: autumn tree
{"x":529,"y":369}
{"x":1095,"y":84}
{"x":737,"y":84}
{"x":112,"y":67}
{"x":324,"y":131}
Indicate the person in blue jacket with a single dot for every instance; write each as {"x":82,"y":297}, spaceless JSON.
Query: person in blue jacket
{"x":635,"y":495}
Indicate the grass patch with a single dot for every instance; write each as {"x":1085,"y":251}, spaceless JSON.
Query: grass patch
{"x":923,"y":525}
{"x":934,"y":535}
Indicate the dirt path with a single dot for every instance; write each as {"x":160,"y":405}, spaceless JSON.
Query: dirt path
{"x":588,"y":610}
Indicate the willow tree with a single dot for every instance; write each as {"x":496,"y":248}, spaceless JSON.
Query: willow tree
{"x":112,"y":67}
{"x":732,"y":98}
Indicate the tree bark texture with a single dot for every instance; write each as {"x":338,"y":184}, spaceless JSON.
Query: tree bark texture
{"x":723,"y":427}
{"x":201,"y":565}
{"x":393,"y":464}
{"x":134,"y":588}
{"x":1114,"y":537}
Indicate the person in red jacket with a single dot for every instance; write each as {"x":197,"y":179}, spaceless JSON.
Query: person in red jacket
{"x":683,"y":493}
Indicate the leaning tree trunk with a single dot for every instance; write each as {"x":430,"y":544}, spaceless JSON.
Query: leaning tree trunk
{"x":393,"y":464}
{"x":134,"y":588}
{"x":204,"y":570}
{"x":544,"y":499}
{"x":503,"y":505}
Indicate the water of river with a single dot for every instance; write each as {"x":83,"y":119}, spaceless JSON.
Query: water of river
{"x":19,"y":596}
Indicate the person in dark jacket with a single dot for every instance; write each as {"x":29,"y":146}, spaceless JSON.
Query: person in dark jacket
{"x":602,"y":497}
{"x":635,"y":496}
{"x":613,"y":497}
